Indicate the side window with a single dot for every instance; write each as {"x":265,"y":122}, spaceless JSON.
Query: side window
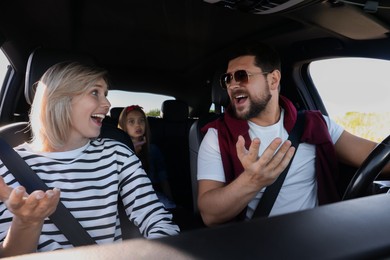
{"x":356,"y":94}
{"x":151,"y":103}
{"x":3,"y":67}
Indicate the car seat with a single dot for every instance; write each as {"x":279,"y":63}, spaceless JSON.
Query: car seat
{"x":113,"y":118}
{"x":174,"y":146}
{"x":220,"y":99}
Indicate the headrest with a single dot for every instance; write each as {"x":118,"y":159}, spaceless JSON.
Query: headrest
{"x":42,"y":59}
{"x":115,"y":112}
{"x":219,"y":96}
{"x":174,"y":110}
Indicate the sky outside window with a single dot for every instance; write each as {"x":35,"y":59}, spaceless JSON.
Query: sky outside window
{"x":356,"y":94}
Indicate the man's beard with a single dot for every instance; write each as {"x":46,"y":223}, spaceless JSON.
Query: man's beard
{"x":256,"y":106}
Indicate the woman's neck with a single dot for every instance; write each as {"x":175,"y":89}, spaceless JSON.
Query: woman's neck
{"x":64,"y":148}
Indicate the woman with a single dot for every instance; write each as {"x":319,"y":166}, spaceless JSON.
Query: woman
{"x":88,"y":174}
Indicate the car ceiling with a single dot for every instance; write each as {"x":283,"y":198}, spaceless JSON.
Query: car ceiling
{"x":174,"y":46}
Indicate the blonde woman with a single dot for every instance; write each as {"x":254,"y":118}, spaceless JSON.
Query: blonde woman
{"x":88,"y":174}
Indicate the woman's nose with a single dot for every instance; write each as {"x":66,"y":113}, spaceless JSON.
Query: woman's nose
{"x":106,"y":102}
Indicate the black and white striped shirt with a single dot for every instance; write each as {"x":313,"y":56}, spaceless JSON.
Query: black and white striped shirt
{"x":89,"y":179}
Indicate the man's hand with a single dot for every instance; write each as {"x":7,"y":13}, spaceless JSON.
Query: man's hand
{"x":264,"y":170}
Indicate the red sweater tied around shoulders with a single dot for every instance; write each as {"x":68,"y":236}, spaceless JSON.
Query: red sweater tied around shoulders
{"x":316,"y":132}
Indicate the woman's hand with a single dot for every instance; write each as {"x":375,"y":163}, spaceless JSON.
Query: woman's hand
{"x":29,"y":213}
{"x":29,"y":209}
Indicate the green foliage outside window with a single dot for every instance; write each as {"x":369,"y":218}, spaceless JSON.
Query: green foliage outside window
{"x":154,"y":112}
{"x":373,"y":126}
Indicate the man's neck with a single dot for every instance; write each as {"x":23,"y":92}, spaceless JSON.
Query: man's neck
{"x":267,"y":117}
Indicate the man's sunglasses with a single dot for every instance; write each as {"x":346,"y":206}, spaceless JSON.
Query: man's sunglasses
{"x":241,"y":76}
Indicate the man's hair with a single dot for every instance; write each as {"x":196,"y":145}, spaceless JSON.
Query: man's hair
{"x":50,"y":116}
{"x":266,"y":57}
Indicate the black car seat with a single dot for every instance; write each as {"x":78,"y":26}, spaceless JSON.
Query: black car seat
{"x":171,"y":134}
{"x":220,"y":99}
{"x":15,"y":133}
{"x":113,"y":118}
{"x":174,"y":146}
{"x":115,"y":112}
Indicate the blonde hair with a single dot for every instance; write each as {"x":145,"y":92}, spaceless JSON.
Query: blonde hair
{"x":50,"y":116}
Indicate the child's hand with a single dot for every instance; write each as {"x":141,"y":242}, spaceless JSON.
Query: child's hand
{"x":138,"y":144}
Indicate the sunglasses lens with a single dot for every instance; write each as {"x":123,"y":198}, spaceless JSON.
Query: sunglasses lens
{"x":225,"y":80}
{"x":241,"y":76}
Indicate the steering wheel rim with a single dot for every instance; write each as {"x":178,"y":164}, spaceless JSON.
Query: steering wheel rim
{"x":369,"y":170}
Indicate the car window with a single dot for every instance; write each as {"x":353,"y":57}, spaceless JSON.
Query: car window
{"x":150,"y":102}
{"x":3,"y":66}
{"x":356,"y":94}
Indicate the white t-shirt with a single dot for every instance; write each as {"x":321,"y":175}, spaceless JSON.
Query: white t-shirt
{"x":299,"y":190}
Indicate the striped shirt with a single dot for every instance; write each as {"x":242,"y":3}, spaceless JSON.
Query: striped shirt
{"x":89,"y":179}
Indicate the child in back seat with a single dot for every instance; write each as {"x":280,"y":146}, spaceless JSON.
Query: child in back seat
{"x":133,"y":121}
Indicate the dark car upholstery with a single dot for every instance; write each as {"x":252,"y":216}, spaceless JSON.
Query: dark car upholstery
{"x":170,"y":134}
{"x":220,"y":99}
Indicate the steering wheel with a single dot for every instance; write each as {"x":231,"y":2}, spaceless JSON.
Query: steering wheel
{"x":369,"y":170}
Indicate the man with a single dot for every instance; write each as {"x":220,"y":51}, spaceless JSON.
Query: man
{"x":246,"y":150}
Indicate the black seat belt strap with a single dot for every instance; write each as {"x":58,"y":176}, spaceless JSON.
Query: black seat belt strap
{"x":271,"y":192}
{"x":62,"y":217}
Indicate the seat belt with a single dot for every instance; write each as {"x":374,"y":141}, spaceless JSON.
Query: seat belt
{"x":62,"y":217}
{"x":270,"y":194}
